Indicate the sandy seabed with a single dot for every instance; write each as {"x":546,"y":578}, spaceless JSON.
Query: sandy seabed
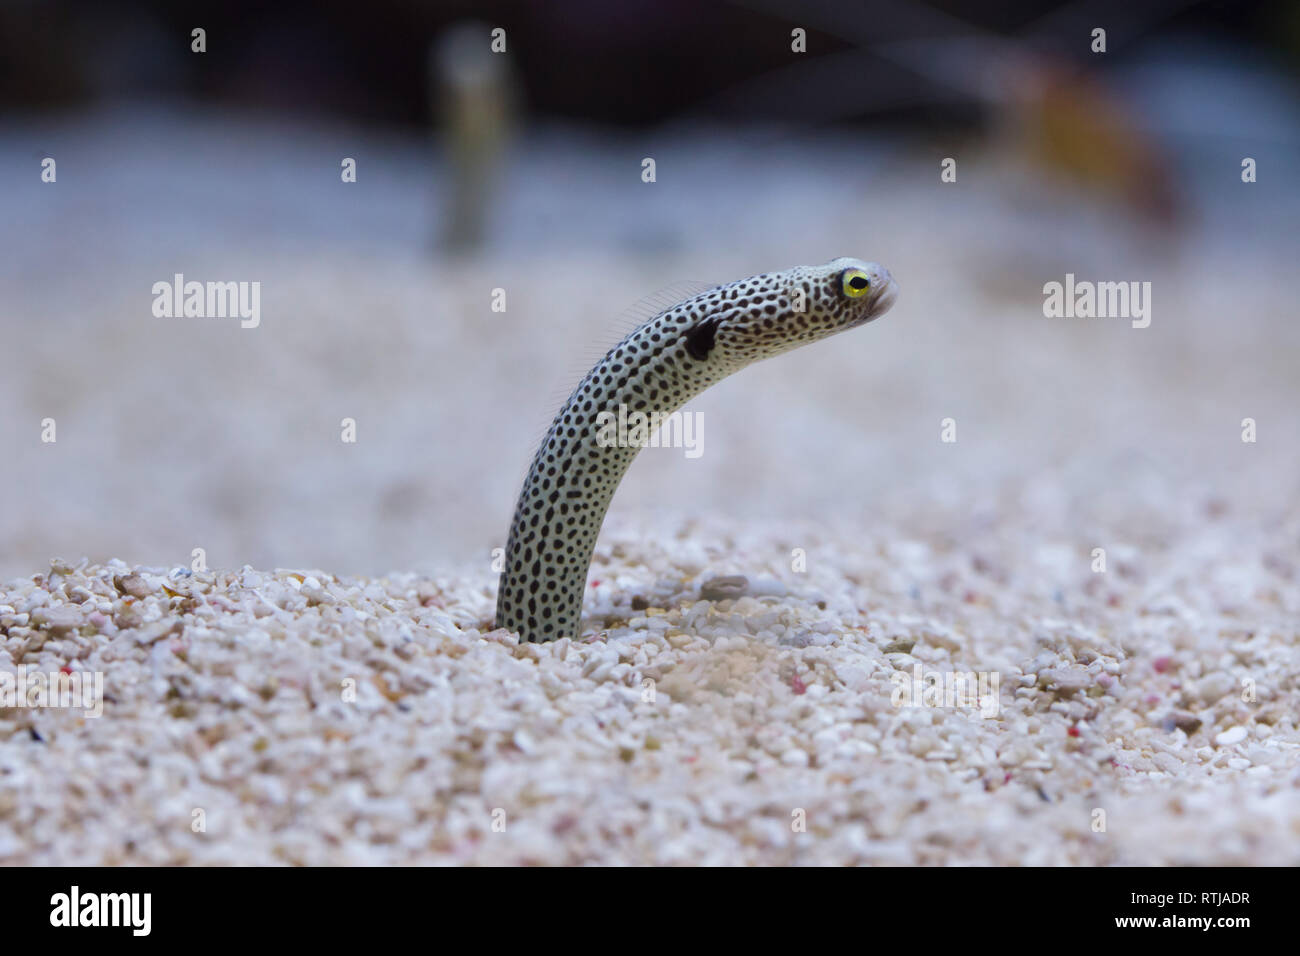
{"x":314,"y":719}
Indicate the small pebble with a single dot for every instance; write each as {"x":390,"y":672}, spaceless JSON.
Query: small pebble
{"x":1233,"y":735}
{"x":1211,"y":688}
{"x":132,"y":585}
{"x":794,"y":757}
{"x":724,"y":588}
{"x":1181,"y":720}
{"x":58,"y":620}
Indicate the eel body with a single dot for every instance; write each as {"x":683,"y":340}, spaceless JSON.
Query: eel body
{"x":658,"y":367}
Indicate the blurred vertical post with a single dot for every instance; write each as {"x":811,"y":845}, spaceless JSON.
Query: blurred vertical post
{"x":472,"y":92}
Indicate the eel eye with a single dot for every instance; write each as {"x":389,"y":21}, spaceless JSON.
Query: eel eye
{"x":855,"y":283}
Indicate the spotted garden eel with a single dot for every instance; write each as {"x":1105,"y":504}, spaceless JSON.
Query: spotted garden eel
{"x":658,"y":367}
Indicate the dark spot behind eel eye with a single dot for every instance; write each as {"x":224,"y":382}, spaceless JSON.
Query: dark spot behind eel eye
{"x":700,"y":338}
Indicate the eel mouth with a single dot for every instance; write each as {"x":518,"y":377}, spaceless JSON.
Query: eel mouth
{"x":880,"y":303}
{"x":884,"y":300}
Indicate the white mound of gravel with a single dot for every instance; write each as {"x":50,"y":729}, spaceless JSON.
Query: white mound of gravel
{"x":249,"y":717}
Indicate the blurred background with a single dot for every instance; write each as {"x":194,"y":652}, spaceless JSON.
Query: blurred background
{"x":781,"y":134}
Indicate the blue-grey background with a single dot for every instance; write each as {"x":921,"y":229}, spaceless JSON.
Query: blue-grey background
{"x":182,"y":433}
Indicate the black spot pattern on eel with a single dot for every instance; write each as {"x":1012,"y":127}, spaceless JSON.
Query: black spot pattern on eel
{"x":658,"y":367}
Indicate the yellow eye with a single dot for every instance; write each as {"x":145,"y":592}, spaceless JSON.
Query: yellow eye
{"x":855,"y":283}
